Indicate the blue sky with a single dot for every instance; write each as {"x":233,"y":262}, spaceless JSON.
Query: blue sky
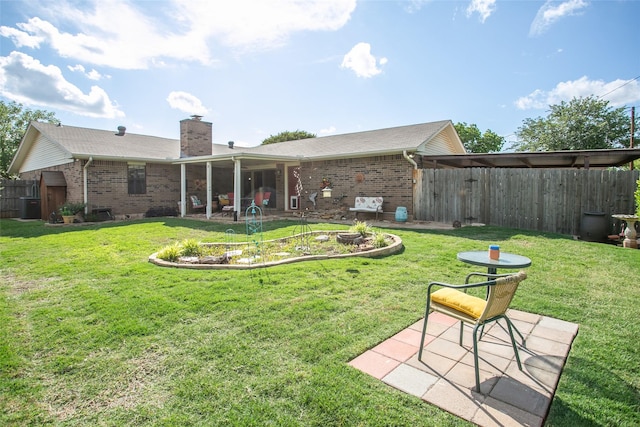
{"x":255,"y":68}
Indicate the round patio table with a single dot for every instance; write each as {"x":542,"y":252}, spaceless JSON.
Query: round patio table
{"x":482,"y":259}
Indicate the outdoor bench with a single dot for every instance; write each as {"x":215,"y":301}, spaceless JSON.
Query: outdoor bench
{"x":367,"y":204}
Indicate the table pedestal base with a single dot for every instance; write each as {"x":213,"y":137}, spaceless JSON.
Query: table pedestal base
{"x":630,"y":235}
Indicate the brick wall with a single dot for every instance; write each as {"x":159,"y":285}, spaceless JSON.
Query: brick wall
{"x":108,"y":187}
{"x":387,"y":176}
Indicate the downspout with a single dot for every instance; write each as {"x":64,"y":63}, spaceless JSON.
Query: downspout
{"x":409,"y":159}
{"x":413,"y":177}
{"x":85,"y":178}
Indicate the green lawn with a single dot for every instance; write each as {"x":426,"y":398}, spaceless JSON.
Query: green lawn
{"x":93,"y":334}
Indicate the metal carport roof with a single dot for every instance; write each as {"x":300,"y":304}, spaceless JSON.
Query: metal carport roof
{"x":539,"y":159}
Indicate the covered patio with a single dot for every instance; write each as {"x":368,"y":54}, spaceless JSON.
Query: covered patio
{"x":242,"y":176}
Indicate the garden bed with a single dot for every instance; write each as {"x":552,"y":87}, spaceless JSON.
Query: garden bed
{"x":316,"y":245}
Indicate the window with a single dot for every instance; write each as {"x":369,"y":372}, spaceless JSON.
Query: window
{"x":137,"y":179}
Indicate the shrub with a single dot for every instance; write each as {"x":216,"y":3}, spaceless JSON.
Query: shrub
{"x":637,"y":194}
{"x":161,"y":211}
{"x":360,"y":227}
{"x":190,"y":247}
{"x":379,"y":241}
{"x":170,"y":253}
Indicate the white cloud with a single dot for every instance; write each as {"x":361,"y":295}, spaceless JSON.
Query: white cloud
{"x":259,"y":24}
{"x":26,"y":80}
{"x":551,"y":12}
{"x":412,"y":6}
{"x":91,"y":75}
{"x":617,"y":92}
{"x":128,"y":34}
{"x":327,"y":131}
{"x":484,"y":8}
{"x":21,"y":38}
{"x":187,"y":103}
{"x":362,"y":62}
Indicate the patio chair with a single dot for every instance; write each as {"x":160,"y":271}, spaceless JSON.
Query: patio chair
{"x":196,"y":204}
{"x":453,"y":301}
{"x":258,"y":198}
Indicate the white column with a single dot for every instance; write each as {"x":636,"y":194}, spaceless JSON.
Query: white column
{"x":237,"y":186}
{"x":209,"y":192}
{"x":183,"y":190}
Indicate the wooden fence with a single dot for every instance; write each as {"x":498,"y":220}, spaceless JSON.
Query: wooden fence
{"x":11,"y":194}
{"x":553,"y":200}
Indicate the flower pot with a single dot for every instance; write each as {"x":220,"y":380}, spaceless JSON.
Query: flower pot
{"x":326,"y":192}
{"x":68,"y":219}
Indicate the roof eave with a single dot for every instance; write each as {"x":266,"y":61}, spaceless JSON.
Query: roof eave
{"x":394,"y":152}
{"x":122,"y":158}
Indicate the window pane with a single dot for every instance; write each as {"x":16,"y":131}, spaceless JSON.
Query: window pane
{"x":137,"y":179}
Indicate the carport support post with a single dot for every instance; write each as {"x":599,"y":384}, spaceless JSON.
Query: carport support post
{"x":183,"y":189}
{"x":209,"y":192}
{"x":237,"y":188}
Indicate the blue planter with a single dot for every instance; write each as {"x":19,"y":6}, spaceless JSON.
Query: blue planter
{"x":401,"y":214}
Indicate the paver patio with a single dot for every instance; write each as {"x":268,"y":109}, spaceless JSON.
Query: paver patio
{"x":445,"y":376}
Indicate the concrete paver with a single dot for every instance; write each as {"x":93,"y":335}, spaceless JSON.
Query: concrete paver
{"x":445,"y":376}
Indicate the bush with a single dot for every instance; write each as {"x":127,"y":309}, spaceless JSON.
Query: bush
{"x":360,"y":227}
{"x":161,"y":211}
{"x":170,"y":253}
{"x":190,"y":247}
{"x":379,"y":241}
{"x":637,"y":194}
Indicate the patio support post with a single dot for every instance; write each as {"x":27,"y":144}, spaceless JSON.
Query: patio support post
{"x":209,"y":192}
{"x":85,"y":184}
{"x":183,"y":189}
{"x":237,"y":187}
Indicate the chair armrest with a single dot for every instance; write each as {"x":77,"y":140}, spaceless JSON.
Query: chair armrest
{"x":464,"y":286}
{"x":485,"y":275}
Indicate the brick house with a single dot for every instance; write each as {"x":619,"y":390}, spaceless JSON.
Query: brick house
{"x":130,"y":174}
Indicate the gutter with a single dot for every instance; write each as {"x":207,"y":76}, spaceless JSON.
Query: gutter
{"x":409,"y":159}
{"x":85,"y":178}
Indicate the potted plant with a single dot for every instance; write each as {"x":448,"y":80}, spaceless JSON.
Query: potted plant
{"x":69,"y":210}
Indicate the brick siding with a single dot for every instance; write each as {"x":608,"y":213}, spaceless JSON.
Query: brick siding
{"x":387,"y":176}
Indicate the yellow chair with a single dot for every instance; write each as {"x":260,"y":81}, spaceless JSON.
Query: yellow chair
{"x":452,"y":301}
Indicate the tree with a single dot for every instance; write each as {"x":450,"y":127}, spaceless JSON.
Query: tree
{"x":288,"y":136}
{"x":476,"y":142}
{"x":14,"y":120}
{"x":580,"y":124}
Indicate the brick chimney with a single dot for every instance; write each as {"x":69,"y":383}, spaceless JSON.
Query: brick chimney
{"x":195,"y":137}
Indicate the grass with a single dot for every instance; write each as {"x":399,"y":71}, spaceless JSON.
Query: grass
{"x":93,"y":334}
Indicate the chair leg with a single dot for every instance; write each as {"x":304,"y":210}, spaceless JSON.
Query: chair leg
{"x":475,"y":356}
{"x":424,"y":331}
{"x":461,"y":330}
{"x":513,"y":341}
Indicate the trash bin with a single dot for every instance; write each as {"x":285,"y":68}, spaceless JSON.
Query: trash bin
{"x":29,"y":208}
{"x":401,"y":214}
{"x":594,"y":227}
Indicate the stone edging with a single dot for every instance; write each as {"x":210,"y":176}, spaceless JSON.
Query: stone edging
{"x":394,"y":247}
